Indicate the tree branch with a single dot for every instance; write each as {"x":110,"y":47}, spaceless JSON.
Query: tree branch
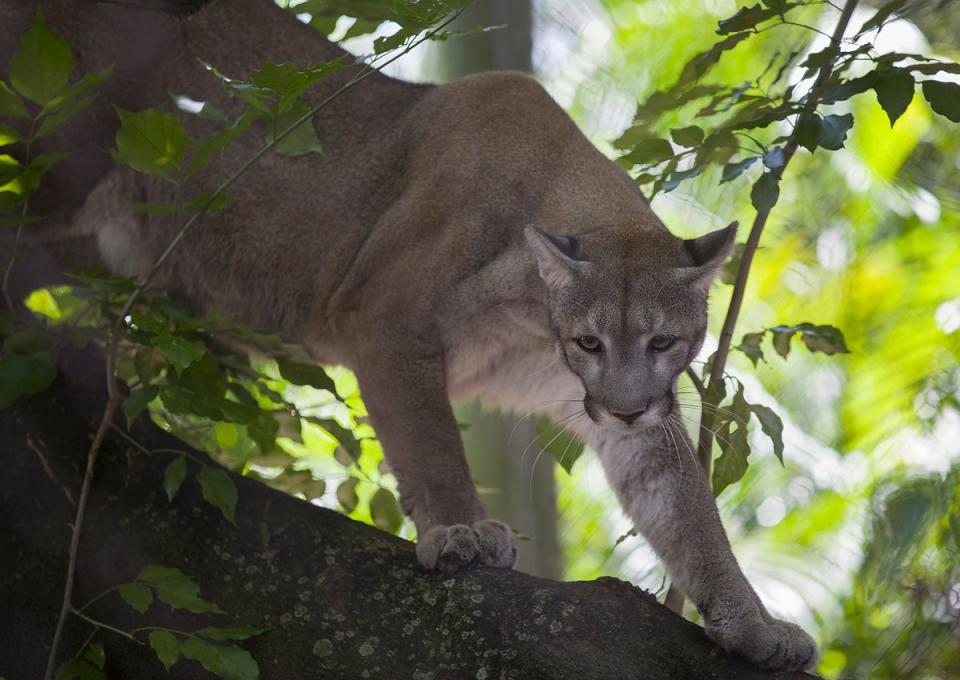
{"x":341,"y":599}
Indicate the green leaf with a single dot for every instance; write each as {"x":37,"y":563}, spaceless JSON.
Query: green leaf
{"x":392,"y":42}
{"x":826,"y":339}
{"x":238,"y":664}
{"x":944,"y":98}
{"x":750,"y":345}
{"x":234,"y":633}
{"x":8,"y":136}
{"x":22,"y":374}
{"x":96,"y":655}
{"x":817,"y":60}
{"x":823,"y":338}
{"x":151,"y":141}
{"x":180,"y":352}
{"x":765,"y":192}
{"x":77,"y":669}
{"x":78,"y":91}
{"x":385,"y":511}
{"x":9,"y":168}
{"x":347,"y":494}
{"x":732,"y":463}
{"x":207,"y":148}
{"x":781,"y":339}
{"x":176,"y":589}
{"x":807,"y":130}
{"x":749,"y":17}
{"x":933,"y":68}
{"x":70,"y":103}
{"x":137,"y":595}
{"x":218,"y":490}
{"x":698,"y":66}
{"x":301,"y":140}
{"x":661,"y":101}
{"x":772,"y":426}
{"x":11,"y":106}
{"x":139,"y":400}
{"x":564,"y":446}
{"x":734,"y":169}
{"x":843,"y":91}
{"x":229,"y":662}
{"x":156,"y":574}
{"x":833,"y":131}
{"x":348,"y":441}
{"x":687,"y":136}
{"x":305,"y":374}
{"x":650,"y":151}
{"x":882,"y":15}
{"x":774,"y":158}
{"x":173,"y":476}
{"x":41,"y":65}
{"x":283,"y":81}
{"x":210,"y":112}
{"x":166,"y":646}
{"x":676,"y":178}
{"x":894,"y":92}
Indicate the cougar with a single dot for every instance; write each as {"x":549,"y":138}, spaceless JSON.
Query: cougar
{"x":451,"y":242}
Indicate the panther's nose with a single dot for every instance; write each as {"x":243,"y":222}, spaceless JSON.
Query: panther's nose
{"x":628,"y":417}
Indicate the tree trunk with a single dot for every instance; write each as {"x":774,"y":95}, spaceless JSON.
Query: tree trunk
{"x":342,"y":599}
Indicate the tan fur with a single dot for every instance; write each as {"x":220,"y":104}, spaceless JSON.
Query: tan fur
{"x":407,"y":253}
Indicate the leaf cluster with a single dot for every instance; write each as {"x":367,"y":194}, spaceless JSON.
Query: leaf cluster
{"x":739,"y":126}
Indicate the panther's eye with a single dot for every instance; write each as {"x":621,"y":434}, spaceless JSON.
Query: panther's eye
{"x":589,"y":343}
{"x":661,"y":343}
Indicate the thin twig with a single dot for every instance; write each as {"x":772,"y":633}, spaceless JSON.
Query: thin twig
{"x":150,"y":452}
{"x":67,"y":607}
{"x":104,"y":626}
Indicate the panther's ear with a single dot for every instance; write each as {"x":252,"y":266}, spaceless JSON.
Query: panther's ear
{"x":709,"y":252}
{"x":556,"y":256}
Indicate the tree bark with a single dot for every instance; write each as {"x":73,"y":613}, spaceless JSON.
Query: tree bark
{"x":342,"y":599}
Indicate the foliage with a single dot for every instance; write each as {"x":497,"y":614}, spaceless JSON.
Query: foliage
{"x":260,"y":416}
{"x":211,"y":646}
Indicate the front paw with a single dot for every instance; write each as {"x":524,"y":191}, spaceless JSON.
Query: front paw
{"x":452,"y":548}
{"x":769,"y":643}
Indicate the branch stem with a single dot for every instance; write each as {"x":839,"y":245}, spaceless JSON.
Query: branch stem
{"x":68,"y":607}
{"x":104,"y":626}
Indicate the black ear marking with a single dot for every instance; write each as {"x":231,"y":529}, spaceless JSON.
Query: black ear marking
{"x":557,"y":256}
{"x":712,"y":250}
{"x":568,"y":245}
